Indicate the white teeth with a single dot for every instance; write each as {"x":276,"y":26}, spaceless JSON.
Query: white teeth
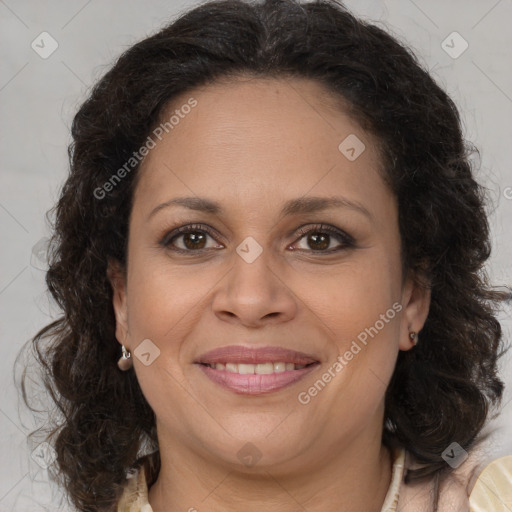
{"x":230,"y":367}
{"x":260,"y":369}
{"x":246,"y":368}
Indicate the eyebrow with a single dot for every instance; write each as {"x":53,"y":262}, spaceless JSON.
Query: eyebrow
{"x":293,"y":206}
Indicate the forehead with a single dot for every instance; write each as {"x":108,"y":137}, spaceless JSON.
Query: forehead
{"x":288,"y":134}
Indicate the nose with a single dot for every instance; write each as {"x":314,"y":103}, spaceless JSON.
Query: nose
{"x":254,"y":294}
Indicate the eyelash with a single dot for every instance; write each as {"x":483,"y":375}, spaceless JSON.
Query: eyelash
{"x":344,"y":238}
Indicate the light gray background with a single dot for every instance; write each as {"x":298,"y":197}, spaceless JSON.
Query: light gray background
{"x":40,"y":96}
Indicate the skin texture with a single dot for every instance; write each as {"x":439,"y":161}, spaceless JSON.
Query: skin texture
{"x":251,"y":145}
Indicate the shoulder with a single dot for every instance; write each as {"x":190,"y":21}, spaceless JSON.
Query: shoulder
{"x":476,"y":484}
{"x":135,"y":493}
{"x":492,"y":491}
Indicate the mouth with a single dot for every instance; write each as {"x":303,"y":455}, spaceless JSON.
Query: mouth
{"x":243,"y":379}
{"x":257,"y":369}
{"x":250,"y":371}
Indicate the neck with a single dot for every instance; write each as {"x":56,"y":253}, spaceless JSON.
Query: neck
{"x":355,"y":477}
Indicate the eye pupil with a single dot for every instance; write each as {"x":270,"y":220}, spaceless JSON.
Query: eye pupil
{"x":315,"y":238}
{"x":195,"y":240}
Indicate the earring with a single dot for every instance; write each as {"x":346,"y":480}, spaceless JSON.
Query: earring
{"x":125,"y":361}
{"x":413,"y":337}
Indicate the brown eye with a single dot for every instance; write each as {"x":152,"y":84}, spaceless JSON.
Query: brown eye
{"x":188,"y":239}
{"x":194,"y":240}
{"x":319,"y":239}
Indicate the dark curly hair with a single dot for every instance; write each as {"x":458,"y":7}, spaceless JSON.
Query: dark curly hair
{"x":440,"y":392}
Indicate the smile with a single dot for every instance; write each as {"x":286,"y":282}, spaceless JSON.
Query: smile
{"x":256,"y":379}
{"x":260,"y":369}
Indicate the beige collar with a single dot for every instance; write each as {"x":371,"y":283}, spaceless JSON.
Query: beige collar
{"x":494,"y":485}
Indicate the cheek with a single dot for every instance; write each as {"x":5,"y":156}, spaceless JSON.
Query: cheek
{"x":359,"y":305}
{"x":162,"y":300}
{"x":355,"y":296}
{"x":364,"y":325}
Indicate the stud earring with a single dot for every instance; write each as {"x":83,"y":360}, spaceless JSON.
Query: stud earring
{"x":413,"y":337}
{"x":125,"y":361}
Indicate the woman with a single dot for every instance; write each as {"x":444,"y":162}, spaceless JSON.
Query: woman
{"x":269,"y":254}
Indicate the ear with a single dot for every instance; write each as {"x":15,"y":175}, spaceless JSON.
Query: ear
{"x":416,"y":303}
{"x":117,"y":276}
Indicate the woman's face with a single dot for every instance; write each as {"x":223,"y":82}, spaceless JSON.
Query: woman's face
{"x":294,"y":245}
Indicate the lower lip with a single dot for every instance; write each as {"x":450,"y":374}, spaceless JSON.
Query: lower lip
{"x":254,"y":384}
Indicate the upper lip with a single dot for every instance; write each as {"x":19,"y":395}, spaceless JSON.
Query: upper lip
{"x":248,"y":355}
